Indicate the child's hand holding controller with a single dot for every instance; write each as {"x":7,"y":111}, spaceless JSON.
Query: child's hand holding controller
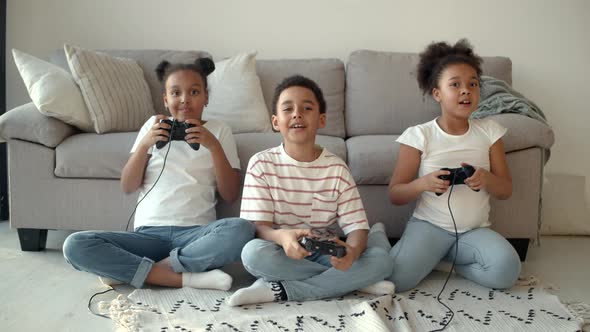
{"x":289,"y":240}
{"x":479,"y":179}
{"x":156,"y":133}
{"x":345,"y":262}
{"x":431,"y":182}
{"x":200,"y":134}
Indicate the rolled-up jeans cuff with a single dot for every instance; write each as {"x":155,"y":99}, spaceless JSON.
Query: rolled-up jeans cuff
{"x":175,"y":263}
{"x":291,"y":296}
{"x":142,"y":272}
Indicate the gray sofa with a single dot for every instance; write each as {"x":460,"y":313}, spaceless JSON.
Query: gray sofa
{"x":60,"y":178}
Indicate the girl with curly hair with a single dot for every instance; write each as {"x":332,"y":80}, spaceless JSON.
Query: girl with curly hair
{"x":451,"y":165}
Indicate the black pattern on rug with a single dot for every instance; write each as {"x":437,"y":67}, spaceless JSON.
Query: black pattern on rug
{"x":522,"y":308}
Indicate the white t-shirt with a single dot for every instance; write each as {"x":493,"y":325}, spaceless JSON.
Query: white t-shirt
{"x":294,"y":194}
{"x":439,"y":150}
{"x":185,"y":193}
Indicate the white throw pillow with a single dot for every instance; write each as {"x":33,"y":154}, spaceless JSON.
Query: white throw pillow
{"x":114,"y":89}
{"x":235,"y":95}
{"x":53,"y":91}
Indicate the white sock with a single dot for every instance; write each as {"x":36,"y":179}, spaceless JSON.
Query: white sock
{"x":260,"y":292}
{"x":214,"y":279}
{"x":379,"y":288}
{"x":110,"y":282}
{"x":377,"y":227}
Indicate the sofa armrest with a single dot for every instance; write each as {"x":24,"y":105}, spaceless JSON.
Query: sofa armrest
{"x":25,"y":122}
{"x":524,"y":132}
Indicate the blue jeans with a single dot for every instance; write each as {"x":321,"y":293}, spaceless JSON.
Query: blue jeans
{"x":485,"y":257}
{"x":129,"y":256}
{"x":313,"y":277}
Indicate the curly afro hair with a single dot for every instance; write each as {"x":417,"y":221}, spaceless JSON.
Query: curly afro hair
{"x":437,"y":56}
{"x":301,"y":81}
{"x":201,"y":66}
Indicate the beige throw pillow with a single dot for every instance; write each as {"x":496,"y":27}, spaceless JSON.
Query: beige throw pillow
{"x":114,"y":89}
{"x":235,"y":95}
{"x":53,"y":91}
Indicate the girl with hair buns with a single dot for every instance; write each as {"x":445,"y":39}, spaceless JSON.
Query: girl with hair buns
{"x":177,"y":241}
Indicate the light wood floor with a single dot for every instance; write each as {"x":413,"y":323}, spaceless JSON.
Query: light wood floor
{"x":39,"y":291}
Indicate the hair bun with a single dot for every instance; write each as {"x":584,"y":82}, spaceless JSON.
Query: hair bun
{"x":207,"y":65}
{"x":161,"y":70}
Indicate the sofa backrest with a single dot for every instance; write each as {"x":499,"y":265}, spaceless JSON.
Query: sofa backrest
{"x":328,"y":73}
{"x":147,"y":60}
{"x":382,"y":94}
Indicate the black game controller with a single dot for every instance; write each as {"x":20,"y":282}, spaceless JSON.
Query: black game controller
{"x":458,"y":175}
{"x":323,"y":247}
{"x":320,"y":241}
{"x":177,"y":133}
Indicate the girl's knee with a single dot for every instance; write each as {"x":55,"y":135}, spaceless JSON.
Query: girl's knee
{"x":242,"y":230}
{"x":407,"y":274}
{"x":506,"y":272}
{"x":74,"y":246}
{"x":403,"y":281}
{"x":381,"y":261}
{"x":252,"y":251}
{"x":261,"y":256}
{"x":500,"y":273}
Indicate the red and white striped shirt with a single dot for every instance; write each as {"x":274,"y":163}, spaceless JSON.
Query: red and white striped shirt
{"x":294,"y":194}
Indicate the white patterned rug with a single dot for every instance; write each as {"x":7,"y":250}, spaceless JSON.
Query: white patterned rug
{"x":522,"y":308}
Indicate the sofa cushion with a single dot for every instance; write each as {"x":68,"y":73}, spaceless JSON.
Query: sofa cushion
{"x":147,"y":60}
{"x":382,"y":94}
{"x":92,"y":155}
{"x":26,"y":123}
{"x":327,"y":73}
{"x":371,"y":158}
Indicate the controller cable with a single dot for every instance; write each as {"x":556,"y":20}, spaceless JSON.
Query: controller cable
{"x":90,"y":302}
{"x":128,"y":221}
{"x":158,"y":178}
{"x":454,"y":261}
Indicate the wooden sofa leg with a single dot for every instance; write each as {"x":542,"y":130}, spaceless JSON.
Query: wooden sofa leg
{"x":32,"y":239}
{"x":521,"y":246}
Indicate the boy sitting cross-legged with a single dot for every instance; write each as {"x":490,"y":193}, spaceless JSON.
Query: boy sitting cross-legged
{"x":296,"y":187}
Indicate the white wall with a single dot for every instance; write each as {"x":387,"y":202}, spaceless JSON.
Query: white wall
{"x":546,"y":40}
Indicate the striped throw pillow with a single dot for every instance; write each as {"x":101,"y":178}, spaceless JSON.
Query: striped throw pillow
{"x":114,"y":89}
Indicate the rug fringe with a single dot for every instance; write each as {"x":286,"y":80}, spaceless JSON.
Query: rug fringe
{"x":123,"y":312}
{"x":580,"y":310}
{"x":534,"y":281}
{"x":527,"y":281}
